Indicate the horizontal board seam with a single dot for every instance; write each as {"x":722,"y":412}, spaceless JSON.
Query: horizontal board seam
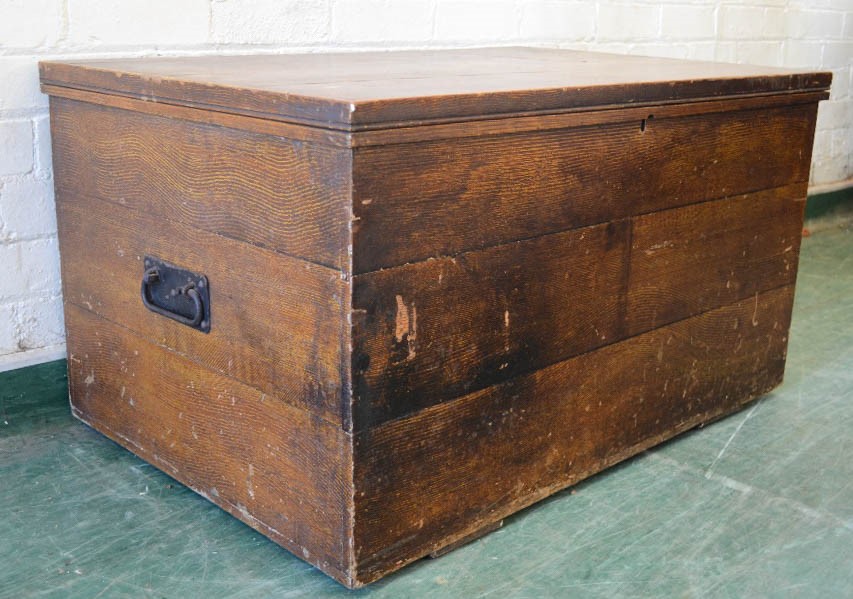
{"x":206,"y":368}
{"x":585,"y":226}
{"x":522,"y":373}
{"x":229,"y":507}
{"x":333,"y":270}
{"x":543,"y":492}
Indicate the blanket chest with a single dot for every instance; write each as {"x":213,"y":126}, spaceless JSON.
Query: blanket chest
{"x":371,"y":304}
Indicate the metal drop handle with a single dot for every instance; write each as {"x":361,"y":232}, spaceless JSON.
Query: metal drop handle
{"x":176,"y":283}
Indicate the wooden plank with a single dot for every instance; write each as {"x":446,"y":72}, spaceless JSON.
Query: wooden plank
{"x":278,"y":323}
{"x":496,"y":189}
{"x":691,"y":259}
{"x":360,"y":90}
{"x":428,"y":332}
{"x":290,"y":196}
{"x":431,"y":331}
{"x":425,"y":481}
{"x":277,"y":468}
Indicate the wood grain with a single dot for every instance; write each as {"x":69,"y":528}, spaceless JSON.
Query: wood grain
{"x":278,"y":323}
{"x":427,"y":332}
{"x":691,"y":259}
{"x":523,"y":306}
{"x":497,"y":189}
{"x":277,"y":468}
{"x":353,"y":91}
{"x":432,"y":478}
{"x":286,"y":195}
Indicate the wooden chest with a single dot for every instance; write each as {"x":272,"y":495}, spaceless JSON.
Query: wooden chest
{"x":371,"y":304}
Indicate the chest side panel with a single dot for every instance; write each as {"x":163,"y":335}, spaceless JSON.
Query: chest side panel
{"x":278,"y":468}
{"x":287,"y":195}
{"x":276,"y":322}
{"x":251,"y":413}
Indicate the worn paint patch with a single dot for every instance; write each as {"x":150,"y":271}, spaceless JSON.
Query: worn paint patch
{"x":250,"y":487}
{"x":406,"y":325}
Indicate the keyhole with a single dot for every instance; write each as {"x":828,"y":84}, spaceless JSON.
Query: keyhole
{"x":643,"y":122}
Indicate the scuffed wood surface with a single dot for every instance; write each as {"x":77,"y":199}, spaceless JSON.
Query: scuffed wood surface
{"x":349,"y":91}
{"x":286,"y":195}
{"x":278,"y":323}
{"x":431,"y":331}
{"x":428,"y":332}
{"x":278,"y":468}
{"x":439,"y":198}
{"x":436,"y":476}
{"x":696,"y":258}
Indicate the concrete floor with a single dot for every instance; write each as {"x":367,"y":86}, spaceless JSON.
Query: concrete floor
{"x":757,"y":505}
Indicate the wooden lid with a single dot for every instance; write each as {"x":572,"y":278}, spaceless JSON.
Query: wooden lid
{"x":357,"y":91}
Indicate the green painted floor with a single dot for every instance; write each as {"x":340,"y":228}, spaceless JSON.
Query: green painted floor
{"x":757,"y":505}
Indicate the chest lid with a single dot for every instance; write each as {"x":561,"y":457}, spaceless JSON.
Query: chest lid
{"x":376,"y":90}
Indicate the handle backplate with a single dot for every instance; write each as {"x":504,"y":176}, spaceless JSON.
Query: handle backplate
{"x":176,"y":293}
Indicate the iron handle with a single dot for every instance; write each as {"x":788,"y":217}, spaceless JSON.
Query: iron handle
{"x":195,"y":320}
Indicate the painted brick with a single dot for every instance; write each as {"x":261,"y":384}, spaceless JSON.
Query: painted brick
{"x":803,"y":54}
{"x":688,"y":22}
{"x":661,"y":50}
{"x":827,"y":4}
{"x":16,"y":147}
{"x":27,"y":209}
{"x":8,"y":330}
{"x":726,"y":52}
{"x":840,"y":89}
{"x":829,"y":171}
{"x":105,"y":22}
{"x":29,"y":268}
{"x":40,"y":323}
{"x":382,"y":20}
{"x":833,"y":113}
{"x":612,"y":47}
{"x":270,"y":21}
{"x":557,"y":20}
{"x":20,"y":78}
{"x":842,"y":142}
{"x":701,"y":50}
{"x":30,"y":23}
{"x":476,"y":21}
{"x":628,"y":21}
{"x":814,"y":24}
{"x":822,"y":145}
{"x":741,"y":22}
{"x":41,"y":141}
{"x":837,"y":54}
{"x":774,"y":23}
{"x":760,"y":53}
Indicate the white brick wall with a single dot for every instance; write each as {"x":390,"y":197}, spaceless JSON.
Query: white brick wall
{"x":798,"y":33}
